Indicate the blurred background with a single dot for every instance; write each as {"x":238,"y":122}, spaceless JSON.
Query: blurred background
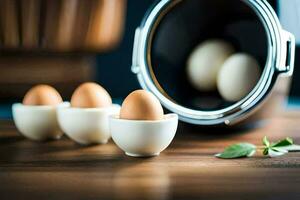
{"x":66,"y":42}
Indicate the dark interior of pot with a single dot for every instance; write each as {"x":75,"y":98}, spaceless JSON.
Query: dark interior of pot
{"x":185,"y":26}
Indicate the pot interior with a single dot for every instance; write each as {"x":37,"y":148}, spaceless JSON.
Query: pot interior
{"x":188,"y":24}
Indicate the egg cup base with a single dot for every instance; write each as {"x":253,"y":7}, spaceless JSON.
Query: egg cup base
{"x":103,"y":142}
{"x":57,"y":137}
{"x":141,"y":155}
{"x":91,"y":143}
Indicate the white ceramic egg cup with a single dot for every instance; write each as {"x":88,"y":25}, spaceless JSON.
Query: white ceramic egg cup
{"x":87,"y":125}
{"x":139,"y":138}
{"x":37,"y":122}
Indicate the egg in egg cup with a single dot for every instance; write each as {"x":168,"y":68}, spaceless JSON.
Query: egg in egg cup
{"x":86,"y":120}
{"x":142,"y":129}
{"x":36,"y":118}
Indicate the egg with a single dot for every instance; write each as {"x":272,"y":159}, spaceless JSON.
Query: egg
{"x":238,"y":76}
{"x":205,"y":62}
{"x":90,"y":95}
{"x":141,"y":105}
{"x":42,"y":95}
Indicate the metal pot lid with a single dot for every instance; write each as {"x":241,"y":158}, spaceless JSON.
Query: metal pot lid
{"x":279,"y":61}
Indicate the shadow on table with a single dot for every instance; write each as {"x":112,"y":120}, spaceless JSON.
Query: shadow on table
{"x":217,"y":133}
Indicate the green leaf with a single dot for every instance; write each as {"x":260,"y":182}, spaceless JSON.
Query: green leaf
{"x":275,"y":152}
{"x":238,"y":151}
{"x":278,"y":149}
{"x":286,"y":142}
{"x":266,"y":141}
{"x":290,"y":148}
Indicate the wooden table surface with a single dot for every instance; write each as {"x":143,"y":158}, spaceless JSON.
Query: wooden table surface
{"x":186,"y":170}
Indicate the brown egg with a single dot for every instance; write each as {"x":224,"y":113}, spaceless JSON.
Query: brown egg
{"x":141,"y":105}
{"x":90,"y":95}
{"x":42,"y":95}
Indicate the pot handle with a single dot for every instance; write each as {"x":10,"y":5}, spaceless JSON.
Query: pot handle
{"x":135,"y":54}
{"x":288,"y":51}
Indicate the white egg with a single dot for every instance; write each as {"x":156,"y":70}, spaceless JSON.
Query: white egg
{"x":205,"y":61}
{"x":238,"y":76}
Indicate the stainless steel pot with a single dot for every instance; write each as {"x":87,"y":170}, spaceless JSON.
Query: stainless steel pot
{"x":172,"y":28}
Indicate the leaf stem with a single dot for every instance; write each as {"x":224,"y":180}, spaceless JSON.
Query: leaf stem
{"x":260,"y":147}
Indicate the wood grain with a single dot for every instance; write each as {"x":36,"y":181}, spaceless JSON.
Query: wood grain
{"x":106,"y":24}
{"x":30,"y":22}
{"x":186,"y":170}
{"x":65,"y":73}
{"x":10,"y":23}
